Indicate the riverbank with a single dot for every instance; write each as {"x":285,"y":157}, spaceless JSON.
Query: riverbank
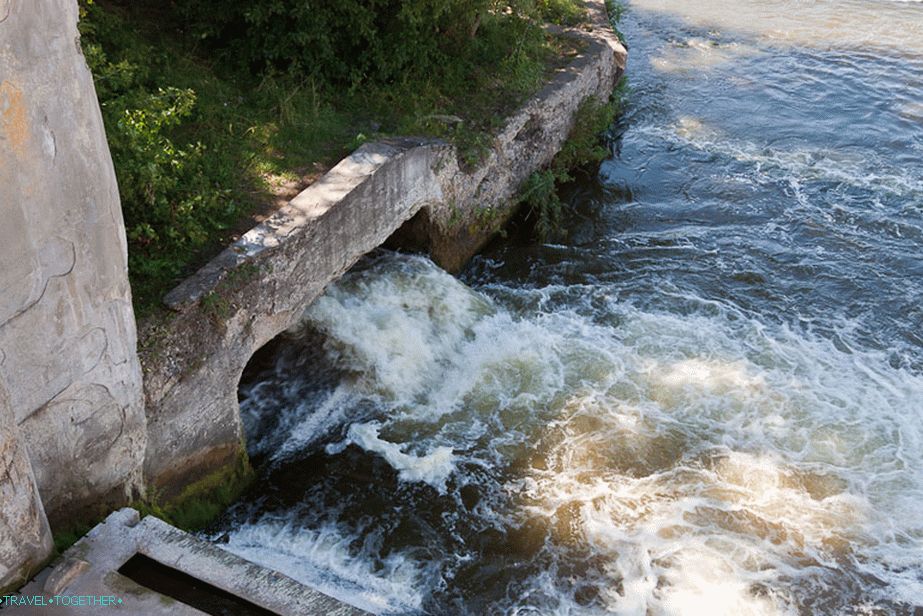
{"x":205,"y":147}
{"x":99,"y":421}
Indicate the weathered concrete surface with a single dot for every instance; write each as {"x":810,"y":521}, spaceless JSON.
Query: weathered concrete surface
{"x":261,"y":285}
{"x":90,"y":567}
{"x":67,"y":332}
{"x":25,"y":539}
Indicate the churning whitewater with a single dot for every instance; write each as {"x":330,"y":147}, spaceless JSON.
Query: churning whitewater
{"x":579,"y":459}
{"x":704,"y":397}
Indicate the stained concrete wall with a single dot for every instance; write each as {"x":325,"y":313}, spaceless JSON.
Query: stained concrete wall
{"x":261,"y":286}
{"x":25,"y":539}
{"x":67,"y":331}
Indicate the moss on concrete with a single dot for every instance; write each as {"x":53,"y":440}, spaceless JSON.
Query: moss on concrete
{"x":203,"y":501}
{"x":194,"y":508}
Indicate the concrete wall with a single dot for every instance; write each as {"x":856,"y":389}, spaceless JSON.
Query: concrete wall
{"x":67,"y":331}
{"x":260,"y":286}
{"x":25,"y":539}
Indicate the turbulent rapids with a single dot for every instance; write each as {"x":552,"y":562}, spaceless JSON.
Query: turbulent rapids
{"x":706,"y":399}
{"x":440,"y":451}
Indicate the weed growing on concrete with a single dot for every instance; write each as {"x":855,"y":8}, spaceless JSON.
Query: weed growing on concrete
{"x":215,"y":306}
{"x":203,"y":501}
{"x":66,"y":538}
{"x":487,"y":219}
{"x":585,"y":146}
{"x":540,"y":193}
{"x":616,"y":10}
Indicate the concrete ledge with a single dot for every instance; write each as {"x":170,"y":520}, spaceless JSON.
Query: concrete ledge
{"x":90,"y":567}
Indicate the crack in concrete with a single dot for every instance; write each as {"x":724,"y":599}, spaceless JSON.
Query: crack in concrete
{"x":48,"y":279}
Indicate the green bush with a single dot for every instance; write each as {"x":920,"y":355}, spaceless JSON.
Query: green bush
{"x":166,"y":182}
{"x":352,"y":42}
{"x":168,"y":201}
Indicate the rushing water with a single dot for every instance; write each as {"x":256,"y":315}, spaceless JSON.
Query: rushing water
{"x":708,"y":399}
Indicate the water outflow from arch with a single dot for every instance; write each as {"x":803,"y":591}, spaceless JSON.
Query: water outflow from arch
{"x":706,"y":398}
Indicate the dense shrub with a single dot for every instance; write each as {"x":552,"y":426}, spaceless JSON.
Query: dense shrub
{"x":166,"y":183}
{"x":360,"y":41}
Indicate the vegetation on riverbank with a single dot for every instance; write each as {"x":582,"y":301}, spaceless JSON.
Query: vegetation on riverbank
{"x":215,"y":111}
{"x":586,"y":146}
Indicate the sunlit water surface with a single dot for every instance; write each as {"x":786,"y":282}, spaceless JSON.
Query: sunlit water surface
{"x":707,"y":399}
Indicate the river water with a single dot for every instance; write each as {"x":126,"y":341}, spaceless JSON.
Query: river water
{"x":707,"y":399}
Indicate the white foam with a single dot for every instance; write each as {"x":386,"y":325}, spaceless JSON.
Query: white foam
{"x":397,"y":330}
{"x":426,"y":346}
{"x":433,"y":468}
{"x":325,"y":559}
{"x":712,"y":462}
{"x":790,"y":452}
{"x":310,"y":424}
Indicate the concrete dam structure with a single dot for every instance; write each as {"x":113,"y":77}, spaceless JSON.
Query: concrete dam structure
{"x":89,"y":419}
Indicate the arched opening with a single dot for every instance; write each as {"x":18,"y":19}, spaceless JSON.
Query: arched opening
{"x":414,"y":236}
{"x":281,"y":384}
{"x":340,"y":493}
